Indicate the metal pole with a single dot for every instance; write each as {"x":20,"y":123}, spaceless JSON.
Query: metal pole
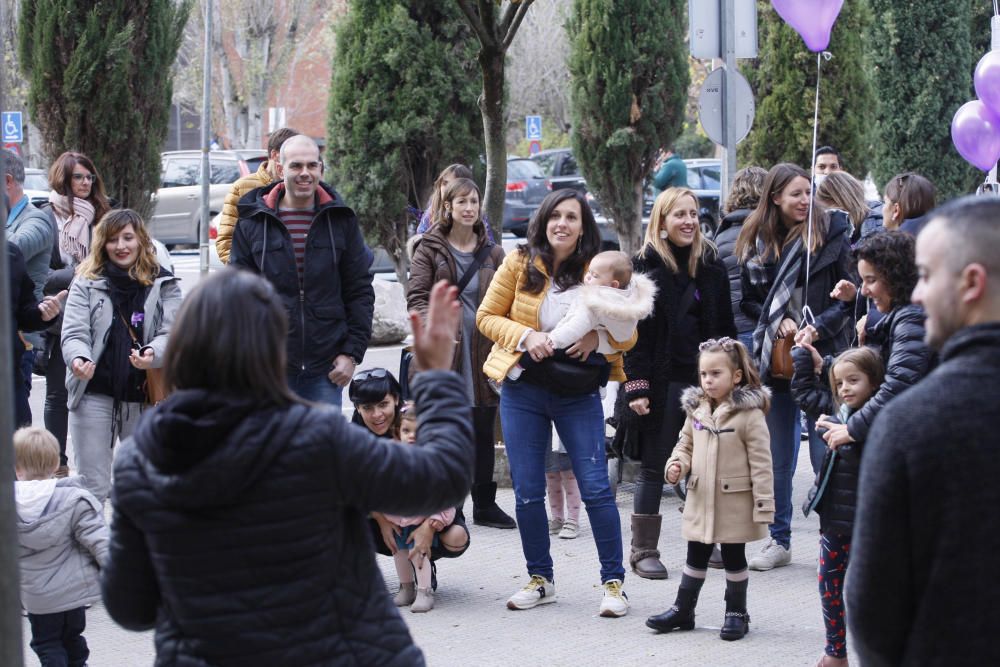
{"x":206,"y":124}
{"x":727,"y":33}
{"x":11,"y":648}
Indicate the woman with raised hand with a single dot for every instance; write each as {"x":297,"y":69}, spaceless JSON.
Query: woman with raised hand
{"x":119,"y":312}
{"x":529,"y":295}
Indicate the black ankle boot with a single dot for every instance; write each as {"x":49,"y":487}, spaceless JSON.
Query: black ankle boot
{"x":485,"y":511}
{"x":678,"y":617}
{"x":737,"y":622}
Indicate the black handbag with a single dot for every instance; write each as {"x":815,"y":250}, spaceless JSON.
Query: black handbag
{"x":564,"y":376}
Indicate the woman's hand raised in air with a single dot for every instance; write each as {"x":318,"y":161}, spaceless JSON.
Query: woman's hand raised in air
{"x":434,"y":335}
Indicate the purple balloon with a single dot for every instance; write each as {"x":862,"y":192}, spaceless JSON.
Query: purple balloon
{"x":976,"y":134}
{"x":988,"y":81}
{"x":813,"y":19}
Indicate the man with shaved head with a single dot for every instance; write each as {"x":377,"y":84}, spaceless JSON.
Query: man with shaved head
{"x":298,"y":233}
{"x":922,"y":587}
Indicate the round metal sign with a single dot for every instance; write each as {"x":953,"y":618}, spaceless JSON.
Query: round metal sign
{"x":710,"y":105}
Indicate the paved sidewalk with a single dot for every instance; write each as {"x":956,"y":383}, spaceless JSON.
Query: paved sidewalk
{"x":470,"y":624}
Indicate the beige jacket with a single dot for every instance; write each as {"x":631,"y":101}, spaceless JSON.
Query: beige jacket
{"x":730,"y":494}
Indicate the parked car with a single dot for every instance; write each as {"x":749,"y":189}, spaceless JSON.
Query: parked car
{"x":560,"y":167}
{"x":705,"y":177}
{"x":36,"y":186}
{"x":526,"y":188}
{"x":176,"y":215}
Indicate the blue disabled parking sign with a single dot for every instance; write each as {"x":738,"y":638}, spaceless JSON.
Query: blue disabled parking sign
{"x":10,"y":125}
{"x":533,"y":128}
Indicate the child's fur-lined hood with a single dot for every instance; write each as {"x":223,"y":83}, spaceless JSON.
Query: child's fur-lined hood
{"x":744,"y":398}
{"x":633,"y":303}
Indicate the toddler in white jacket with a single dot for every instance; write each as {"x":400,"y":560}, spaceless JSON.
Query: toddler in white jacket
{"x":611,"y":298}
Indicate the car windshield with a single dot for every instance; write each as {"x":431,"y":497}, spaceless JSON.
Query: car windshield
{"x":36,"y":182}
{"x":523,"y":170}
{"x":546,"y":162}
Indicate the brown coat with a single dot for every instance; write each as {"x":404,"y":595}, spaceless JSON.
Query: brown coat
{"x":432,"y":261}
{"x":730,"y":494}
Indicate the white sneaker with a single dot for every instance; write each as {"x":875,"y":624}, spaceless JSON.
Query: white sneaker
{"x":555,"y":525}
{"x":615,"y":602}
{"x":569,"y":531}
{"x":538,"y":591}
{"x":771,"y":556}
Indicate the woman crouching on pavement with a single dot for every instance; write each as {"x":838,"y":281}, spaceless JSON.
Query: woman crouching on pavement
{"x":239,"y":509}
{"x":118,"y":315}
{"x":378,"y":407}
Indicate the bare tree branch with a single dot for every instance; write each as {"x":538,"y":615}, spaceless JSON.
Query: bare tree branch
{"x":511,"y":20}
{"x":474,"y":20}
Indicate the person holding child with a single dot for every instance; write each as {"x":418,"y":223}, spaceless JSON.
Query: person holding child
{"x":854,"y":379}
{"x":529,"y":296}
{"x":725,"y":448}
{"x":459,"y":250}
{"x":63,"y":545}
{"x":378,"y":407}
{"x":692,"y":305}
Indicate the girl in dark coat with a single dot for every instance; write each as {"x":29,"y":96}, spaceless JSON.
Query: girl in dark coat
{"x":774,"y":248}
{"x":239,"y":510}
{"x":854,"y":378}
{"x":692,"y":305}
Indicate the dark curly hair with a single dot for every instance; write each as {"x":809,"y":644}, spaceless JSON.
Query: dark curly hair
{"x":893,"y":254}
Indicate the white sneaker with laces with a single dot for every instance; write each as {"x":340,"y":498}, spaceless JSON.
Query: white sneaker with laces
{"x":555,"y":525}
{"x":614,"y":604}
{"x":538,"y":591}
{"x":570,"y":530}
{"x":771,"y":556}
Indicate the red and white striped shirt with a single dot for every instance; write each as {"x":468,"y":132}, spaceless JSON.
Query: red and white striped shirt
{"x":298,"y":221}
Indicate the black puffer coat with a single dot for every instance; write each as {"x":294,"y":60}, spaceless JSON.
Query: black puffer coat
{"x":838,"y":503}
{"x":240,"y":533}
{"x":650,"y":358}
{"x":725,"y":241}
{"x":899,"y":337}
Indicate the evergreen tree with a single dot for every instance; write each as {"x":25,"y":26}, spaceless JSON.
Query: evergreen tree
{"x":629,"y":63}
{"x":402,"y":107}
{"x":100,"y":84}
{"x":923,"y":61}
{"x":783,"y":78}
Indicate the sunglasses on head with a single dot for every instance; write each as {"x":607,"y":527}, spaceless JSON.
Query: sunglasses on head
{"x":377,"y":373}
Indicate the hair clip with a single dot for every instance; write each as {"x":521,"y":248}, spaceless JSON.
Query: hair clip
{"x":726,"y":343}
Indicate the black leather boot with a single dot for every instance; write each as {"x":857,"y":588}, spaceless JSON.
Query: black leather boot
{"x":678,"y":617}
{"x":485,"y":511}
{"x":737,"y":622}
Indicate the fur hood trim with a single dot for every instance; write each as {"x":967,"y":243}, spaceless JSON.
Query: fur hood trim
{"x":744,"y":398}
{"x":634,"y":303}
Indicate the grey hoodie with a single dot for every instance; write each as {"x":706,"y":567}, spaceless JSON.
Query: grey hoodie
{"x":63,"y":542}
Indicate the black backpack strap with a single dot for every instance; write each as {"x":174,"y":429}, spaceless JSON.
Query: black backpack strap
{"x":477,"y":262}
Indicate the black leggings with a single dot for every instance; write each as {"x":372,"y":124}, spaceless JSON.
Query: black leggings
{"x":656,"y":450}
{"x":56,"y":396}
{"x":483,"y":420}
{"x":734,"y":556}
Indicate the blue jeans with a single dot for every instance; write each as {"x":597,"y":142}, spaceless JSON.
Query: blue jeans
{"x":783,"y":423}
{"x":527,"y":413}
{"x":317,"y":389}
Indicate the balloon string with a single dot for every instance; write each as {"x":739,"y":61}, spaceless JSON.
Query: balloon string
{"x":807,"y":314}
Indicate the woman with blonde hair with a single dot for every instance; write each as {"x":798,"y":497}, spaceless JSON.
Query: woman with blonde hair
{"x":788,"y":271}
{"x":842,"y":191}
{"x":118,"y":315}
{"x":692,"y":305}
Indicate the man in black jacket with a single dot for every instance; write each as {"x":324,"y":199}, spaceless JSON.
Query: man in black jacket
{"x":922,"y":585}
{"x":299,"y":234}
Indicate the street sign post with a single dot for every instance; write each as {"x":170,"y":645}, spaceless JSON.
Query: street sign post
{"x":711,"y":106}
{"x":533,"y":128}
{"x":535,"y":147}
{"x":705,"y":24}
{"x":11,"y":129}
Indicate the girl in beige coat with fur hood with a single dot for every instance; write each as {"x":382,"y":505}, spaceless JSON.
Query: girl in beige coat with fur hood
{"x":725,"y":447}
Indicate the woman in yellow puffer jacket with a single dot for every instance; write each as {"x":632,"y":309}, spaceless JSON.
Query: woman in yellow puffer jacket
{"x":530,"y":293}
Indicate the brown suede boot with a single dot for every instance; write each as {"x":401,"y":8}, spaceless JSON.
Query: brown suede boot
{"x":645,"y":556}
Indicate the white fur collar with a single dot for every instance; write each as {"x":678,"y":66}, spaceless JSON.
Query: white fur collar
{"x":632,"y":303}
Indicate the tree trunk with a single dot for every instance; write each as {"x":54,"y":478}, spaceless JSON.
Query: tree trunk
{"x":492,"y":105}
{"x":628,"y":224}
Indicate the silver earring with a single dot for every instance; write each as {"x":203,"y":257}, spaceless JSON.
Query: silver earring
{"x":663,"y":234}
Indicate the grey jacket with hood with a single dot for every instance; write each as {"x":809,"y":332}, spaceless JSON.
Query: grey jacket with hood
{"x":87,"y":321}
{"x":63,"y":543}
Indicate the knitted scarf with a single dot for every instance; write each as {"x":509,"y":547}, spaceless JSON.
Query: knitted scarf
{"x":74,"y":236}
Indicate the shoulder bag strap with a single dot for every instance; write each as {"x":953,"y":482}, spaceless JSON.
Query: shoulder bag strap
{"x":477,"y":262}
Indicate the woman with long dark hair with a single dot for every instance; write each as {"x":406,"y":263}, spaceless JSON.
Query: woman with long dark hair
{"x":458,"y":249}
{"x":120,"y":310}
{"x":775,"y":248}
{"x":77,"y":203}
{"x":529,"y":295}
{"x":239,"y":527}
{"x":692,"y":305}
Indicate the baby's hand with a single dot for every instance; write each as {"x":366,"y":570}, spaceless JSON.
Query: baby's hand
{"x":673,"y":473}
